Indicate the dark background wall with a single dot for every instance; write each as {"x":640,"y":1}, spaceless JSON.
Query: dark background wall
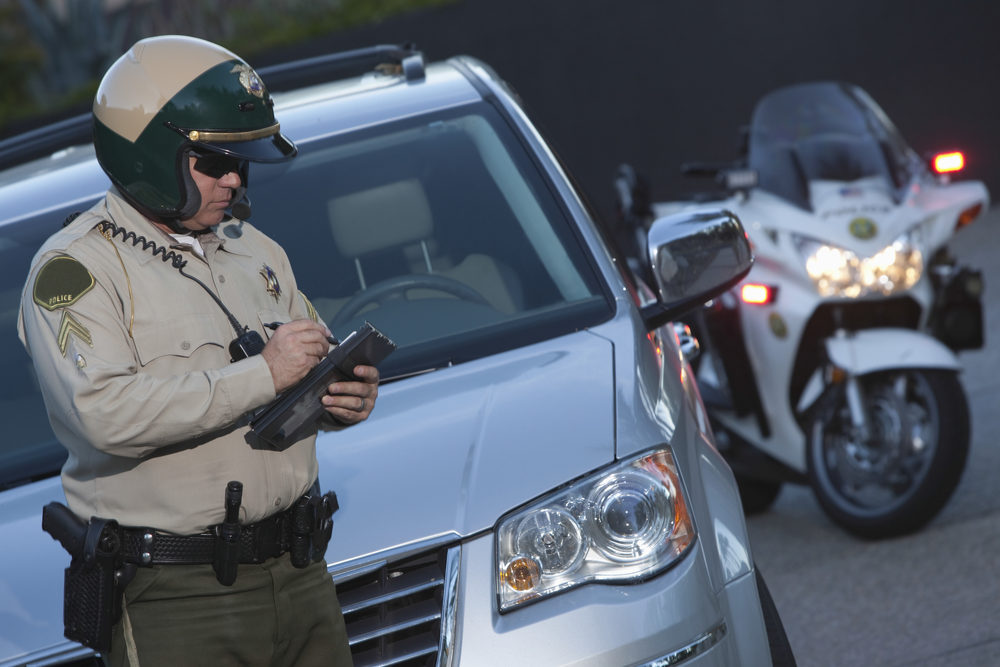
{"x":659,"y":82}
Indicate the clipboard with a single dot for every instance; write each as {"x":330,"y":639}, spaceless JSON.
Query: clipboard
{"x":282,"y":421}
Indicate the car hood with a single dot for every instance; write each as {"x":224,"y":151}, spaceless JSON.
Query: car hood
{"x":32,"y":565}
{"x":449,"y":452}
{"x":444,"y":454}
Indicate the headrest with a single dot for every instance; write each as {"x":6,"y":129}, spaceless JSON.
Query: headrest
{"x":382,"y":217}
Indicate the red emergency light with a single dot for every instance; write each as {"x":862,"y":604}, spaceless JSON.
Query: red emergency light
{"x":948,"y":163}
{"x":757,"y":294}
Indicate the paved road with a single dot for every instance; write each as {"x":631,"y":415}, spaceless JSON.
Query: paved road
{"x":930,"y":599}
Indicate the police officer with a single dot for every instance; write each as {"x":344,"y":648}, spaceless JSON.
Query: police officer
{"x":145,"y":319}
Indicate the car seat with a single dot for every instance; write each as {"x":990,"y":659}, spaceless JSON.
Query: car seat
{"x":388,"y":230}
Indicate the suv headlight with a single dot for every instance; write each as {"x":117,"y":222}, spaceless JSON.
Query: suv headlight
{"x":839,"y":272}
{"x":625,"y":523}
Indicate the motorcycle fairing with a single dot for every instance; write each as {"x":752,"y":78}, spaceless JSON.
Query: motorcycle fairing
{"x":825,"y":131}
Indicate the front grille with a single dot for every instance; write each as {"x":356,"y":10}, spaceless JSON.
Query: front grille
{"x":395,"y":613}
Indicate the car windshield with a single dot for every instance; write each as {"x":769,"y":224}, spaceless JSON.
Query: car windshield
{"x":824,"y":132}
{"x":440,"y":230}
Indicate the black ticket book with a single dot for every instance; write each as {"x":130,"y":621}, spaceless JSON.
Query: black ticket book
{"x":286,"y":418}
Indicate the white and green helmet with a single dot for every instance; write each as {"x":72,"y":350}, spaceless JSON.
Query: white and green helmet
{"x":168,"y":97}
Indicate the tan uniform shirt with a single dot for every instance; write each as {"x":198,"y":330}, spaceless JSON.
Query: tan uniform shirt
{"x":134,"y":365}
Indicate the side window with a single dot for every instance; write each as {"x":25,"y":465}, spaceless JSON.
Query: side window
{"x":28,"y":448}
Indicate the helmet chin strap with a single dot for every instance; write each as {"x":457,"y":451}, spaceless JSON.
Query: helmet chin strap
{"x":191,"y":197}
{"x":239,"y":208}
{"x":239,"y":205}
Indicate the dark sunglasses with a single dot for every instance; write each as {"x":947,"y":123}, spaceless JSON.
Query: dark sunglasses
{"x":217,"y":165}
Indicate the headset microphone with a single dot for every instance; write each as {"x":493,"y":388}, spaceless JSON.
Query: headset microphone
{"x":240,"y":208}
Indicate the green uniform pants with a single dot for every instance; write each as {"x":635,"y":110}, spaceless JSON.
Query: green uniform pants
{"x":274,"y":614}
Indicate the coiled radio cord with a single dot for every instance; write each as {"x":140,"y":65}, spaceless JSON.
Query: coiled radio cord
{"x":110,"y":229}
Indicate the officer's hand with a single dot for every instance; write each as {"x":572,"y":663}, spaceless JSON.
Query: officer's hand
{"x":293,"y":350}
{"x":351,"y":402}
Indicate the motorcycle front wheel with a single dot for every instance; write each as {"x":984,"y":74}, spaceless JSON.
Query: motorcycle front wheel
{"x":898,"y":478}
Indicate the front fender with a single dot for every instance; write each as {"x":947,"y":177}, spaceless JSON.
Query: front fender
{"x":871,"y":350}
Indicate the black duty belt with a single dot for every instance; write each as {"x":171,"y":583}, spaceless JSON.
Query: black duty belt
{"x":105,"y":555}
{"x":259,"y":541}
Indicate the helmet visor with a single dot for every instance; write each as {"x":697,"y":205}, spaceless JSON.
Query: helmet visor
{"x":261,"y":145}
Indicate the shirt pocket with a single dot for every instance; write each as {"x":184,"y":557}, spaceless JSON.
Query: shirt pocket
{"x":268,"y":317}
{"x":176,"y":342}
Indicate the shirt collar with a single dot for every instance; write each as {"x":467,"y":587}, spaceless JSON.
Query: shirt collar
{"x":226,"y":235}
{"x":231,"y":234}
{"x":124,"y":215}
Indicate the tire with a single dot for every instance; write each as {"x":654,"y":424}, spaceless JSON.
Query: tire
{"x":899,"y":479}
{"x":757,"y":494}
{"x":777,"y":639}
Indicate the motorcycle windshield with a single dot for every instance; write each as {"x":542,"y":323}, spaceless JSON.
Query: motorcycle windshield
{"x":825,"y":131}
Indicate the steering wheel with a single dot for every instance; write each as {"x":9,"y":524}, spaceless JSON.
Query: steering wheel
{"x":398,"y":286}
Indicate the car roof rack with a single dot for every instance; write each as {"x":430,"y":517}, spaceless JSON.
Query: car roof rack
{"x":404,"y":59}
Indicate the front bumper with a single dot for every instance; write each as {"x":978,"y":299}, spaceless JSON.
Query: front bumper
{"x":675,"y":618}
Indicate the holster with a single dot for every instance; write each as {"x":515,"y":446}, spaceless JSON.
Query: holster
{"x":96,"y":578}
{"x":312,"y":526}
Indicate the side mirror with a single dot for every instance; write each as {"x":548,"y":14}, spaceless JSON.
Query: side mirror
{"x":694,"y":257}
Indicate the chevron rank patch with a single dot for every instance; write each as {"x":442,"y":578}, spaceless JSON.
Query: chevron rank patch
{"x":69,"y":325}
{"x":61,"y":282}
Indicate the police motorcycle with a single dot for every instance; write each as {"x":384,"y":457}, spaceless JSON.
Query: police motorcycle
{"x":833,"y":363}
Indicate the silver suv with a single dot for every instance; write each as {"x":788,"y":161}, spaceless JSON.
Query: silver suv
{"x":539,"y":483}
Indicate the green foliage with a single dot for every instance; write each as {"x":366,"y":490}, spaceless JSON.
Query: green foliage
{"x":54,"y":53}
{"x":270,"y":26}
{"x":20,"y":57}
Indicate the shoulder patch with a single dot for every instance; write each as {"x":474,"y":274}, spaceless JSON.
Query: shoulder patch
{"x":61,"y":282}
{"x":313,"y":315}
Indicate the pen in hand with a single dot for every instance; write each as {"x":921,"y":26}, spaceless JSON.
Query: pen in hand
{"x":274,"y":325}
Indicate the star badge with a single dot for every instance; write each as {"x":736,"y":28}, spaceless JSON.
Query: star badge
{"x":249,"y":80}
{"x":271,"y":281}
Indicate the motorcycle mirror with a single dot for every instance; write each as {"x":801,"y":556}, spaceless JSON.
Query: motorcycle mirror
{"x":732,"y":177}
{"x":694,"y":256}
{"x":632,"y":196}
{"x":739,"y":179}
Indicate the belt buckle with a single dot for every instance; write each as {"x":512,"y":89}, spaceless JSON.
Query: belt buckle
{"x":267,"y":539}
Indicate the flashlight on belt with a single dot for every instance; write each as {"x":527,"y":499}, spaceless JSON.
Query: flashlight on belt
{"x":227,"y":537}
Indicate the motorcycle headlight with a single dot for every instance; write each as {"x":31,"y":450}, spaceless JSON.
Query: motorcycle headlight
{"x":838,"y":272}
{"x":623,"y":524}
